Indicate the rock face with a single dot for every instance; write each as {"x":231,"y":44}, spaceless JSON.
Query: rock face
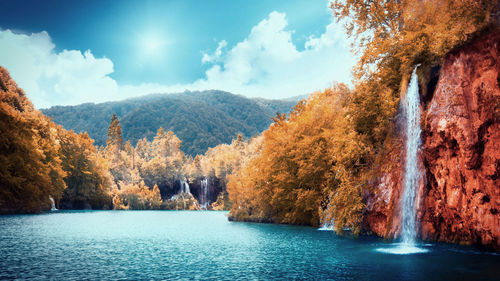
{"x":459,"y":198}
{"x":382,"y":214}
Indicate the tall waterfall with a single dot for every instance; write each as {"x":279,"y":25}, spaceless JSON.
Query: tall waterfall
{"x":52,"y":204}
{"x":412,"y":173}
{"x":205,"y":194}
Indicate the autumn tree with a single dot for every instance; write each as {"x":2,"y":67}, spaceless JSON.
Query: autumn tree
{"x":161,"y":162}
{"x":306,"y":160}
{"x":138,"y":197}
{"x":119,"y":159}
{"x":31,"y":167}
{"x":88,"y":178}
{"x":393,"y":36}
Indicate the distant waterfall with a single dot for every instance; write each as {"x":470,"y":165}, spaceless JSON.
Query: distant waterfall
{"x":52,"y":204}
{"x":205,"y":194}
{"x":412,"y":174}
{"x":327,"y":223}
{"x":184,"y":187}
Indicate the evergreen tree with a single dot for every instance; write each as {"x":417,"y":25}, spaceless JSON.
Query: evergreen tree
{"x":115,"y":139}
{"x":117,"y":158}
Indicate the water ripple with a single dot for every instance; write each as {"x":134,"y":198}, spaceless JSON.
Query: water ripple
{"x":178,"y":245}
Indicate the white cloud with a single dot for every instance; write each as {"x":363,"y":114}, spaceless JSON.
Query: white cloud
{"x":216,"y":55}
{"x":49,"y":77}
{"x":266,"y":64}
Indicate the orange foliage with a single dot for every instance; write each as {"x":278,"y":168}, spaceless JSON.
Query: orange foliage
{"x":304,"y":159}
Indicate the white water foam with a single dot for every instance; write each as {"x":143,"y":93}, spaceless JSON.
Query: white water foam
{"x":402,"y":249}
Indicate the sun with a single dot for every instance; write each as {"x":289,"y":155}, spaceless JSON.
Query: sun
{"x":152,"y":44}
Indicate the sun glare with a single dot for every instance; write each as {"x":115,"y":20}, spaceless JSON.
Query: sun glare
{"x":152,"y":45}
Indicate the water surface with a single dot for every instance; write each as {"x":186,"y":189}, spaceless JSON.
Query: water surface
{"x":145,"y":245}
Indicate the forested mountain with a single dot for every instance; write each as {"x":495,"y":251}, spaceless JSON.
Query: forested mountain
{"x":200,"y":119}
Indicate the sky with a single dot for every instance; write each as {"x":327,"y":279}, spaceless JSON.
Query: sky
{"x":72,"y":52}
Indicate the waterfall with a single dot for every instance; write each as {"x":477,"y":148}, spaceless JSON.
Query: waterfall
{"x":52,"y":204}
{"x":182,"y":184}
{"x":412,"y":173}
{"x":327,"y":223}
{"x":205,"y":193}
{"x":184,"y":187}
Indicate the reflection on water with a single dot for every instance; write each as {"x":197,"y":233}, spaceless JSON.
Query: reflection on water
{"x":134,"y":245}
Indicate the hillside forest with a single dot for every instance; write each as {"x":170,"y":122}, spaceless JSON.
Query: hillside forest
{"x":201,"y":119}
{"x":311,"y":166}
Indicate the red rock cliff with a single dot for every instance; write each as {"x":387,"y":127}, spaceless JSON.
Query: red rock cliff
{"x":459,"y":199}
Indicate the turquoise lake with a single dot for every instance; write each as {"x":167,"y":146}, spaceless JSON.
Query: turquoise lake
{"x":197,"y":245}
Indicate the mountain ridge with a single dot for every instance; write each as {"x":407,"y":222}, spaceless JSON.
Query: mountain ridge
{"x":201,"y":119}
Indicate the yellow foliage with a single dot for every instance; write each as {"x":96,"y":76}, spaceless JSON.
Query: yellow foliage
{"x":395,"y":35}
{"x":137,"y":197}
{"x":304,"y":158}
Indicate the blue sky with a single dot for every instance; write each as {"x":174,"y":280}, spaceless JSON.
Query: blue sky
{"x":69,"y":52}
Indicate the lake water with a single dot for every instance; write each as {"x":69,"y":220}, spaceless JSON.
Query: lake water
{"x":144,"y":245}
